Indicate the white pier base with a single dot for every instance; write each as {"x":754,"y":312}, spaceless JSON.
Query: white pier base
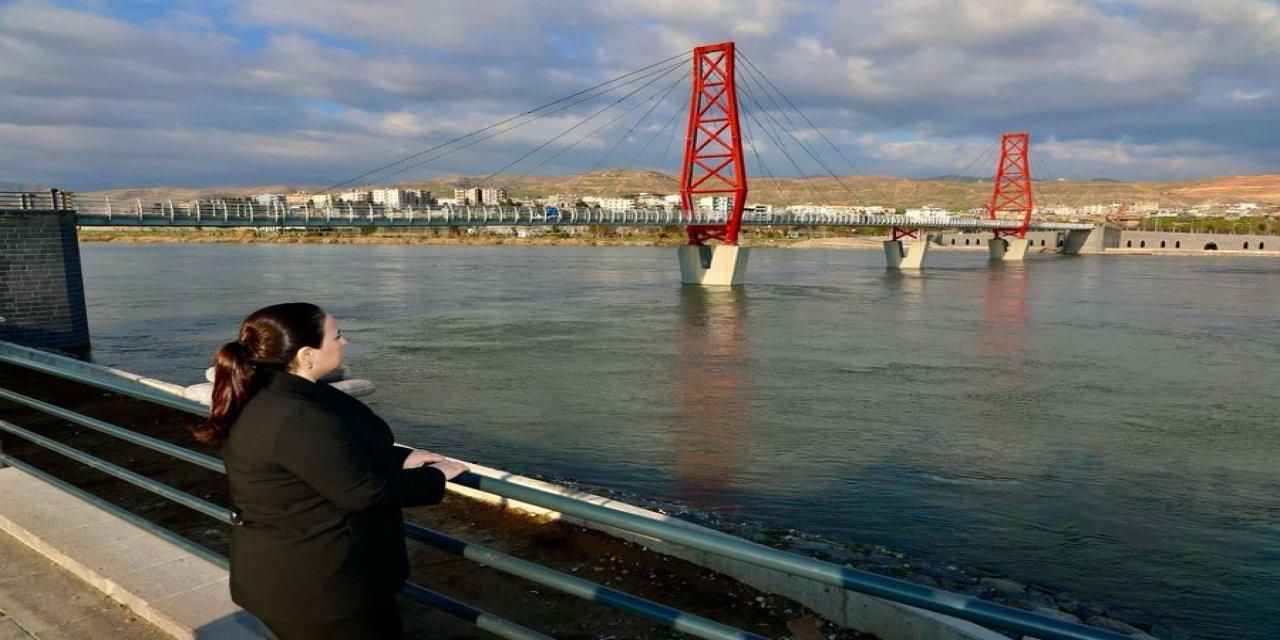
{"x":1009,"y":249}
{"x":721,"y":265}
{"x":912,"y":257}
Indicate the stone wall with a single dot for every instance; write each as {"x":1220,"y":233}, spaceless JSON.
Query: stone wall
{"x":1197,"y":242}
{"x":1041,"y":241}
{"x":41,"y":284}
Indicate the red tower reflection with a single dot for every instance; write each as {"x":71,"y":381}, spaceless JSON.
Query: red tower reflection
{"x":1002,"y":333}
{"x":708,"y":388}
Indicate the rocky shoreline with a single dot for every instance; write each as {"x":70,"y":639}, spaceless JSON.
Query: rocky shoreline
{"x":1020,"y":594}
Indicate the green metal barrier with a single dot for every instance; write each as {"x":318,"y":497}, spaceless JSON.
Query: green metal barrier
{"x":721,"y":544}
{"x":691,"y":624}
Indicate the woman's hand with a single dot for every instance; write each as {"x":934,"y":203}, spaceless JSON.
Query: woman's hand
{"x":451,"y":468}
{"x":421,"y":458}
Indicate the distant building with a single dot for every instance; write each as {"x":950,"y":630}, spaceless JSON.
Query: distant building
{"x":401,"y":198}
{"x":717,"y":204}
{"x":268,"y":199}
{"x":929,"y":212}
{"x":355,"y":195}
{"x":493,"y":196}
{"x":617,"y":204}
{"x":476,"y":195}
{"x":297,"y":198}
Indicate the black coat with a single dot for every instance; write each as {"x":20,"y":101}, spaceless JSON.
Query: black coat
{"x":316,"y":479}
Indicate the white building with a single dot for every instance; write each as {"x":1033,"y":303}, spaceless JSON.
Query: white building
{"x":355,"y":195}
{"x":617,"y":204}
{"x":400,"y":198}
{"x":477,"y":195}
{"x":268,"y":199}
{"x":929,"y":212}
{"x":717,"y":204}
{"x":651,"y":200}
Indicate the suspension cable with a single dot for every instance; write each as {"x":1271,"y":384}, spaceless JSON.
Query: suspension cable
{"x":870,"y":183}
{"x":514,"y":126}
{"x":663,"y":93}
{"x":777,"y":140}
{"x":495,"y":125}
{"x":667,"y":126}
{"x":804,"y":145}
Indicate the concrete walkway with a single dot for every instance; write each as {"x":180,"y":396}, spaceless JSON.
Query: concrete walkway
{"x":69,"y":569}
{"x":39,"y":599}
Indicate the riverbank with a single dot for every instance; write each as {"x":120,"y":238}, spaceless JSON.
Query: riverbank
{"x":875,"y":243}
{"x":444,"y":237}
{"x":428,"y":236}
{"x":569,"y":548}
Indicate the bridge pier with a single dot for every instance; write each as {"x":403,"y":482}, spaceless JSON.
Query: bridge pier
{"x":1091,"y":241}
{"x":1008,"y":249}
{"x":910,"y":257}
{"x":41,"y":287}
{"x":723,"y":265}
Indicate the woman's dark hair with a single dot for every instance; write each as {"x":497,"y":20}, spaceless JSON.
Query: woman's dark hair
{"x":269,"y":339}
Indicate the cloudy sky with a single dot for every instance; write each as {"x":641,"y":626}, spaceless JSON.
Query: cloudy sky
{"x":104,"y":94}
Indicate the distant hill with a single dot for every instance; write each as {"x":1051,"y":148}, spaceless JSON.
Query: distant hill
{"x":22,"y":186}
{"x":952,"y":178}
{"x":953,"y":192}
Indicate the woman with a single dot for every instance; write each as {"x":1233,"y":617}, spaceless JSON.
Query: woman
{"x":318,"y":548}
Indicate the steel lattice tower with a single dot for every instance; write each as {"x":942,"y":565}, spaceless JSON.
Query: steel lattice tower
{"x":713,"y":163}
{"x":1012,"y":191}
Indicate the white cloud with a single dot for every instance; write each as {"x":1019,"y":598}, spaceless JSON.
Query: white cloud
{"x":1126,"y":88}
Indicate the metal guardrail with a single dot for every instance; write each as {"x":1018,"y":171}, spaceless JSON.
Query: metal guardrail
{"x":45,"y":363}
{"x":221,"y":213}
{"x":51,"y":200}
{"x":102,"y":211}
{"x":721,"y":544}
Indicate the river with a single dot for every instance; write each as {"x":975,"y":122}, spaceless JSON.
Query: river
{"x":1097,"y":424}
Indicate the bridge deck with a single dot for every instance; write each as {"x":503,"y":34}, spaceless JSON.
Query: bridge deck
{"x":373,"y":216}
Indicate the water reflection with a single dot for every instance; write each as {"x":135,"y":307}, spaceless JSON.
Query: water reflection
{"x":708,"y":379}
{"x":1002,"y":331}
{"x":907,"y":286}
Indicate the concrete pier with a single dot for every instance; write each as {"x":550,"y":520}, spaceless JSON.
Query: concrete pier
{"x":41,"y":286}
{"x":715,"y":266}
{"x":1008,"y":249}
{"x":911,"y":256}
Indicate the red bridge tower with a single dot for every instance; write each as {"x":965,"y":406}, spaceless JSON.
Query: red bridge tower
{"x":713,"y":165}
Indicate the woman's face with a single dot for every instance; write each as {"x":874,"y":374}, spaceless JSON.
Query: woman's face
{"x":317,"y":363}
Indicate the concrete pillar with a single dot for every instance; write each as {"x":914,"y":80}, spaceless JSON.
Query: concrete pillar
{"x":1075,"y":240}
{"x":1091,"y":241}
{"x":996,"y":248}
{"x":1009,"y":249}
{"x":893,"y":253}
{"x":721,"y":265}
{"x":910,"y":257}
{"x":41,"y":284}
{"x":1016,"y":250}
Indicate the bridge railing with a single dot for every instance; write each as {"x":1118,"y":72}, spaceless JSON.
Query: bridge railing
{"x":241,"y":213}
{"x":499,"y":484}
{"x":51,"y":200}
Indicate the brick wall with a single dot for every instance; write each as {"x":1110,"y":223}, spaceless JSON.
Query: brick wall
{"x":41,"y":285}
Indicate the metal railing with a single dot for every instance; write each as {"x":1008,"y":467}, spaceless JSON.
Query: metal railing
{"x":51,"y":200}
{"x":102,"y":211}
{"x":696,"y":626}
{"x":717,"y":543}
